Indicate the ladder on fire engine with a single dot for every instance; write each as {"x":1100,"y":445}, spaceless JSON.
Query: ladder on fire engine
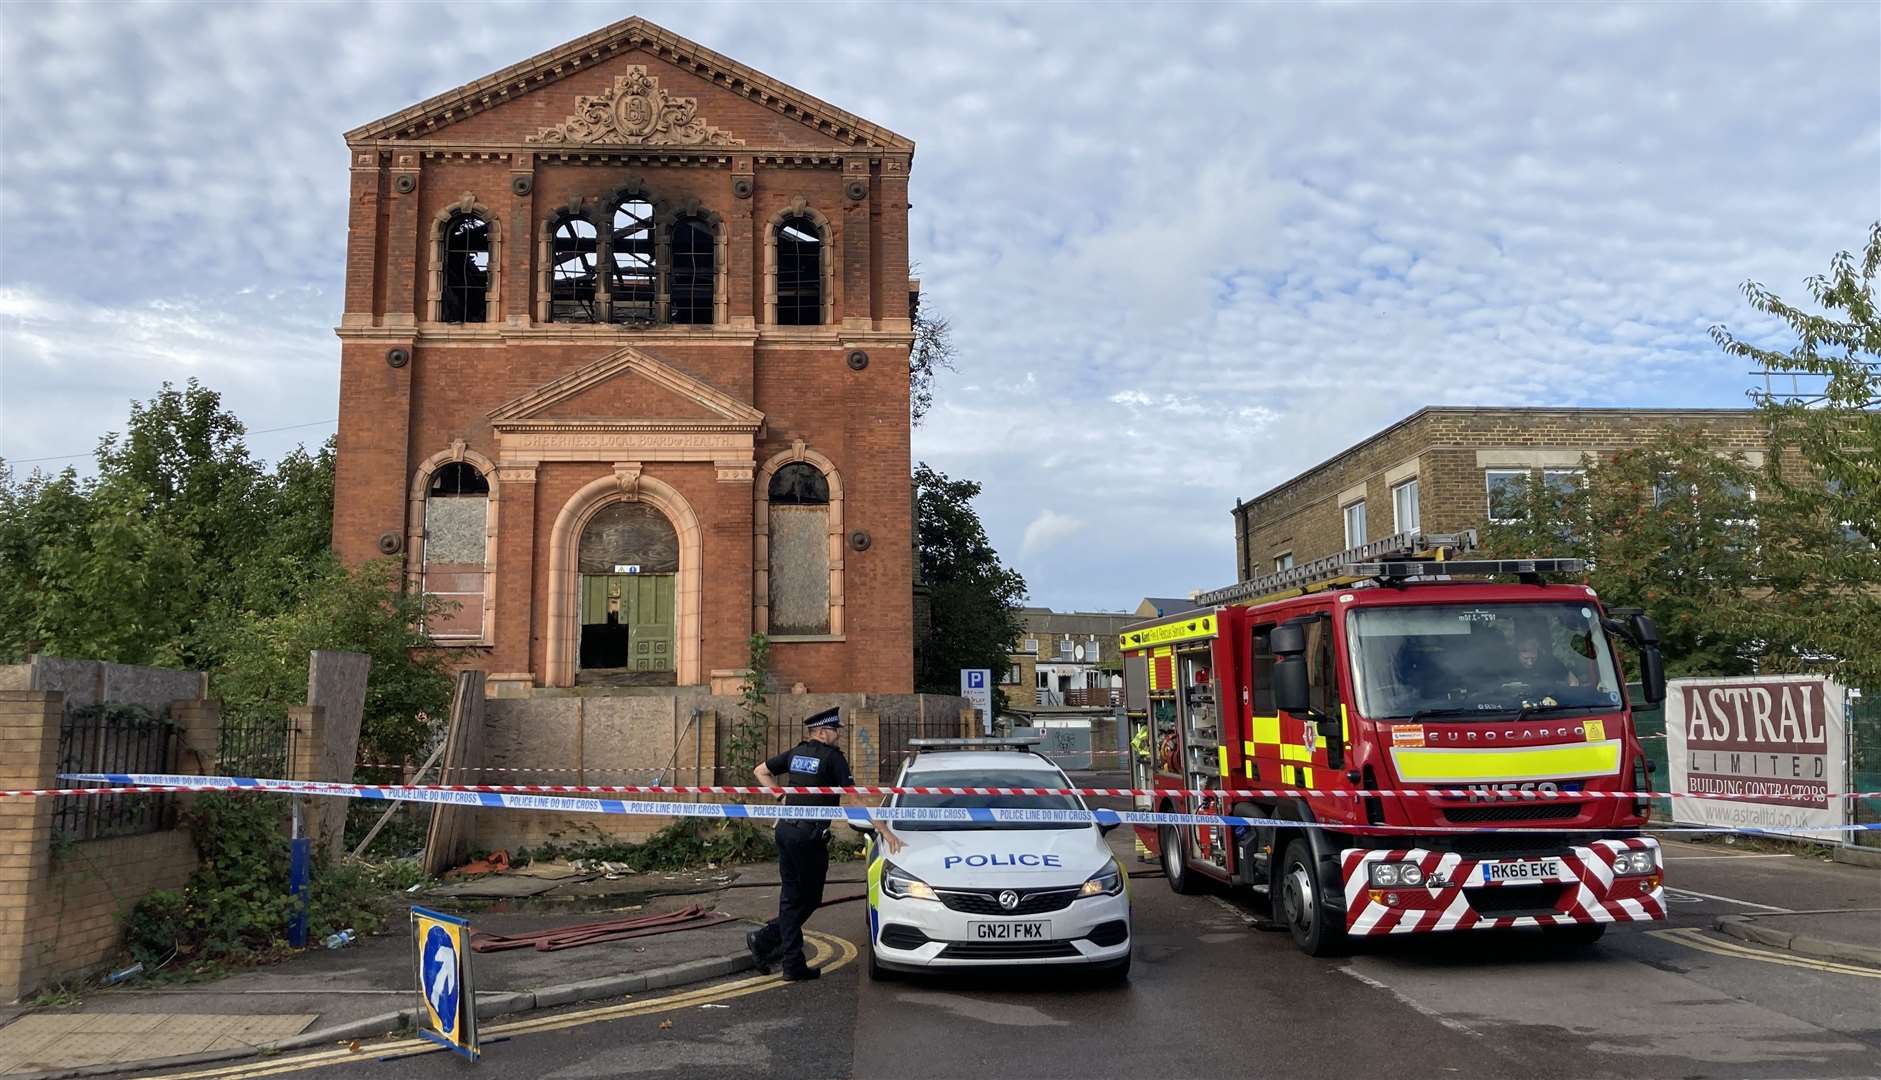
{"x":1400,"y":559}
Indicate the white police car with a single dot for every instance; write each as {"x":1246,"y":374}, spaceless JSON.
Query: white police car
{"x":976,"y":894}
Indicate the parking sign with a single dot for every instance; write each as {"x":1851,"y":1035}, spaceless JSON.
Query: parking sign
{"x":976,"y":685}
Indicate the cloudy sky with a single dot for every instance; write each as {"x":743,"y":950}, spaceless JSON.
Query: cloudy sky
{"x":1187,"y":251}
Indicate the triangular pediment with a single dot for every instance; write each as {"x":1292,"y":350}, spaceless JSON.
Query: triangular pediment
{"x":627,"y":390}
{"x":684,"y":95}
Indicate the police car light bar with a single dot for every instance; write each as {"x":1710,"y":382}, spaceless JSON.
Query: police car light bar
{"x":1527,"y":568}
{"x":1016,"y":741}
{"x":1405,"y":544}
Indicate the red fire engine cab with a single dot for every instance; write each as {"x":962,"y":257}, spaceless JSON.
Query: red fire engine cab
{"x":1428,"y":727}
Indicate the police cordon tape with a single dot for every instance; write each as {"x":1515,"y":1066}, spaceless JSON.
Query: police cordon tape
{"x":480,"y":796}
{"x":146,"y":783}
{"x":143,"y":782}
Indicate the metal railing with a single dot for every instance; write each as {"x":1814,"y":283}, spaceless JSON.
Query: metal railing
{"x":114,"y":738}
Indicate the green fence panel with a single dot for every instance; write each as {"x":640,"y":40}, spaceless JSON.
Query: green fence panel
{"x":1864,"y":746}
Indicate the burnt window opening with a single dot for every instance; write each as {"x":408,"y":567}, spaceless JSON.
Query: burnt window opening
{"x":458,"y":478}
{"x":799,"y":273}
{"x":690,"y":281}
{"x":466,"y":269}
{"x":799,"y":484}
{"x":633,"y":286}
{"x":574,"y":270}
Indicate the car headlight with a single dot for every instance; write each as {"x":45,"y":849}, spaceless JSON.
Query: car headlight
{"x":1634,"y":863}
{"x":1106,"y":882}
{"x":902,"y":885}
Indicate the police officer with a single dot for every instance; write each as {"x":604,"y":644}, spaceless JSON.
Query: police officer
{"x":802,"y":845}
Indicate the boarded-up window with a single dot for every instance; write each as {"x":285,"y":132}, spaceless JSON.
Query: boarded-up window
{"x":629,"y":534}
{"x":457,"y":504}
{"x":799,"y":551}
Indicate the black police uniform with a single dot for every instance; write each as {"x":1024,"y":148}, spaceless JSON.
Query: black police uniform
{"x":802,"y":848}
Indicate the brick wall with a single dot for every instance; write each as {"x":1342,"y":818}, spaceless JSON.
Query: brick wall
{"x":61,"y":913}
{"x":1448,"y":451}
{"x":393,"y":419}
{"x":94,"y":885}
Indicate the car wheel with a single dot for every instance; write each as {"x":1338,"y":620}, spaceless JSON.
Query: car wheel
{"x":1118,"y":973}
{"x":878,"y":973}
{"x":1316,"y":928}
{"x":1175,"y":868}
{"x":1578,"y":934}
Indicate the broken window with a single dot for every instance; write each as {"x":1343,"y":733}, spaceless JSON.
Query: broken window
{"x":799,"y":272}
{"x":799,"y":550}
{"x":634,"y":283}
{"x":457,"y":502}
{"x":573,"y":270}
{"x":466,"y":269}
{"x":690,"y":281}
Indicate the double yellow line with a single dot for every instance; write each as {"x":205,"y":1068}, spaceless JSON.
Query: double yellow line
{"x":829,"y":953}
{"x":1697,"y":939}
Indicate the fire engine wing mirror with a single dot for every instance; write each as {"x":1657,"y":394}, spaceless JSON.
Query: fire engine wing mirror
{"x":1290,"y":684}
{"x":1651,"y":663}
{"x":1288,"y":642}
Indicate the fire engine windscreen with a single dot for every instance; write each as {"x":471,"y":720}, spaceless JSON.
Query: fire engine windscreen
{"x":1464,"y":661}
{"x":1015,"y":778}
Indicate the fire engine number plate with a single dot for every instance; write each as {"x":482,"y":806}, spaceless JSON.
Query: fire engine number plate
{"x":1524,"y":872}
{"x":1036,"y":930}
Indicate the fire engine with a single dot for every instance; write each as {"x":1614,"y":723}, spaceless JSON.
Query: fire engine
{"x":1429,"y":721}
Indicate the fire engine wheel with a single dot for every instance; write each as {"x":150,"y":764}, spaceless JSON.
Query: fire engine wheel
{"x":1316,"y":929}
{"x":1175,"y":868}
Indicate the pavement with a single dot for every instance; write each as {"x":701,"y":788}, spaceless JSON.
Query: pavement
{"x":323,"y":997}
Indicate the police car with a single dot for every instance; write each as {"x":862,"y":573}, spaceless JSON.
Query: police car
{"x":977,"y":894}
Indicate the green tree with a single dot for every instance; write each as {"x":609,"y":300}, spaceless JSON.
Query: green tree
{"x":359,"y":609}
{"x":183,"y":551}
{"x":1671,"y":528}
{"x":974,"y":597}
{"x":1821,"y":497}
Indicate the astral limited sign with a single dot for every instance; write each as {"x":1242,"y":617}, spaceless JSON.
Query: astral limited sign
{"x":1776,"y":746}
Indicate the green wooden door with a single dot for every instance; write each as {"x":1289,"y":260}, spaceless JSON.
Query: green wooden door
{"x":647,"y":600}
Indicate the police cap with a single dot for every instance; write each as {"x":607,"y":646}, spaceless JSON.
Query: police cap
{"x":828,"y":718}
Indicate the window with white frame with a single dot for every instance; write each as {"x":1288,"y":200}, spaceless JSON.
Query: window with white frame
{"x":1404,"y":506}
{"x":1012,"y":674}
{"x":1283,"y":561}
{"x":1561,"y":485}
{"x":1031,"y":645}
{"x":1355,"y":524}
{"x":1505,"y":488}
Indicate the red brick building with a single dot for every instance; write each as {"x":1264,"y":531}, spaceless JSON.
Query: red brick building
{"x":624,"y":370}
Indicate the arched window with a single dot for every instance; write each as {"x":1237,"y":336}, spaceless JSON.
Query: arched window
{"x":466,"y":293}
{"x":633,"y":279}
{"x":690,"y":280}
{"x":573,"y":270}
{"x":799,"y":550}
{"x":456,"y":534}
{"x":799,"y":272}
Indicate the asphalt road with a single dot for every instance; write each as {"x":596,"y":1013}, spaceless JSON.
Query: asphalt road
{"x":1211,"y":995}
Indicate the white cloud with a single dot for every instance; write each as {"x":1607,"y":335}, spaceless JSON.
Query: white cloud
{"x":1187,"y":251}
{"x":1048,"y":530}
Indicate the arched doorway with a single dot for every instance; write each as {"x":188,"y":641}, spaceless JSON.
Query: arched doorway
{"x":565,"y":579}
{"x":628,"y":560}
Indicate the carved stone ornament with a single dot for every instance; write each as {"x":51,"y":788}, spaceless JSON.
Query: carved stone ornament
{"x":636,"y":112}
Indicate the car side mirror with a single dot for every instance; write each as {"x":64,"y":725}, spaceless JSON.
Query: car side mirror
{"x":864,"y":825}
{"x":1104,"y":827}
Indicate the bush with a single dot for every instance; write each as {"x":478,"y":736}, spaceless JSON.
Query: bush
{"x":236,"y":905}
